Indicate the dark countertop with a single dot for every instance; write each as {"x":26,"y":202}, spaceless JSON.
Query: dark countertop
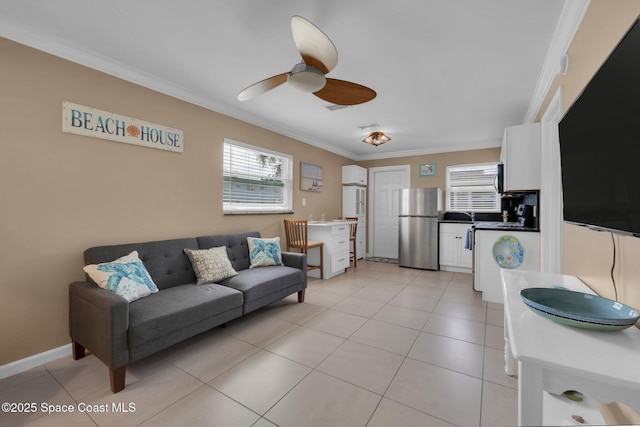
{"x":513,"y":226}
{"x":463,"y":218}
{"x":491,"y":225}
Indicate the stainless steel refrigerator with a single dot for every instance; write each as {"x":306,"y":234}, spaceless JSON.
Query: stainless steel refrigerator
{"x":420,"y":210}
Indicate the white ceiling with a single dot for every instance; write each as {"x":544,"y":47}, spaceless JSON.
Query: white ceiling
{"x":450,"y":74}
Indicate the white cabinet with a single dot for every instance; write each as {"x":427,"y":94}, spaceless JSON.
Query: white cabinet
{"x":520,"y":155}
{"x":354,"y":175}
{"x":354,"y":200}
{"x":522,"y":244}
{"x":453,"y":254}
{"x":335,"y":236}
{"x":354,"y":205}
{"x":554,"y":358}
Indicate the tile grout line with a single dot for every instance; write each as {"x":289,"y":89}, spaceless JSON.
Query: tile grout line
{"x":318,"y":286}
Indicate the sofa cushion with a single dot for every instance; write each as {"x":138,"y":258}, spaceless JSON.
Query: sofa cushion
{"x":165,"y":260}
{"x":258,"y":282}
{"x":264,"y":252}
{"x":176,"y":308}
{"x":125,"y":276}
{"x":210,"y":265}
{"x":237,"y":244}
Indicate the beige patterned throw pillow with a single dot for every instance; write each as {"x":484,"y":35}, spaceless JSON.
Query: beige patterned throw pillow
{"x":210,"y":265}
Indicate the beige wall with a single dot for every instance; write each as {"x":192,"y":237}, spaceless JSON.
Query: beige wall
{"x":589,"y":254}
{"x":442,"y":160}
{"x":62,"y":193}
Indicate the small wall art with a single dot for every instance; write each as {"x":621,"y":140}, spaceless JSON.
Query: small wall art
{"x":310,"y":177}
{"x":428,"y":169}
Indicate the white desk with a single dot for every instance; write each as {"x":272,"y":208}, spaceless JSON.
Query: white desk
{"x":335,"y":236}
{"x":602,"y":365}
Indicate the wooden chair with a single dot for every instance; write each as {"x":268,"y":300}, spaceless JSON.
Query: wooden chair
{"x":353,"y":227}
{"x":296,"y":232}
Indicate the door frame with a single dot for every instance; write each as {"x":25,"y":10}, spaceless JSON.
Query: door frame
{"x":551,"y":200}
{"x":372,"y":194}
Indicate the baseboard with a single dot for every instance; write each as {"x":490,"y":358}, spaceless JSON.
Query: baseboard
{"x":454,"y":269}
{"x":32,"y":361}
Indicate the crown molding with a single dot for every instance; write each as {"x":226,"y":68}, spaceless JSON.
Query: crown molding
{"x":120,"y":70}
{"x":570,"y":18}
{"x":480,"y":145}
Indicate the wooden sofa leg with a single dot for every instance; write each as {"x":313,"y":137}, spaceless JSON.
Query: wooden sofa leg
{"x":301,"y":295}
{"x":78,"y":350}
{"x":117,"y":378}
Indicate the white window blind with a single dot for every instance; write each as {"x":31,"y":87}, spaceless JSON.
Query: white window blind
{"x":256,"y":180}
{"x":471,"y":188}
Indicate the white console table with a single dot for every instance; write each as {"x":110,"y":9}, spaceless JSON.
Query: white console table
{"x":604,"y":366}
{"x":335,"y":236}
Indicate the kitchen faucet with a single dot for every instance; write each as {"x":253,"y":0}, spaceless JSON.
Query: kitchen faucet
{"x":471,"y":215}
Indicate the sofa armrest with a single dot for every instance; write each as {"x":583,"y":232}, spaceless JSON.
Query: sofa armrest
{"x":299,"y":261}
{"x":295,"y":260}
{"x":99,"y":321}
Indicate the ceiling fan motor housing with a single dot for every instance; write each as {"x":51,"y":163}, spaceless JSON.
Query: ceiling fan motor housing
{"x":305,"y":78}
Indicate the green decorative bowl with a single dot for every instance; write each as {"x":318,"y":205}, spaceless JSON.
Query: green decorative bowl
{"x":579,"y":309}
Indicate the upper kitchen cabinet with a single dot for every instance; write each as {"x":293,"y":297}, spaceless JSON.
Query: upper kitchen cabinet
{"x":354,"y":175}
{"x":520,"y":155}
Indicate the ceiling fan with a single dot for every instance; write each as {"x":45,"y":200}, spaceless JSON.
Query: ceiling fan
{"x":319,"y":56}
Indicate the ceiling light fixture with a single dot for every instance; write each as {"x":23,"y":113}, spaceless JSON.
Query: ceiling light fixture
{"x":376,"y":138}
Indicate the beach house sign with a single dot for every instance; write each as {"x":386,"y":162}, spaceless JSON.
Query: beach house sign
{"x":96,"y":123}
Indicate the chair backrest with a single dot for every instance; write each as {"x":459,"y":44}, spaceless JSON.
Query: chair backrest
{"x":353,"y":225}
{"x":295,"y":231}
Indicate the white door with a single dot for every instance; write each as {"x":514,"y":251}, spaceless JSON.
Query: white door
{"x":384,"y":203}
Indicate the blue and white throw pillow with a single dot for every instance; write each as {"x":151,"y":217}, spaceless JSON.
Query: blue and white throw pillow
{"x":126,"y":276}
{"x":264,"y":252}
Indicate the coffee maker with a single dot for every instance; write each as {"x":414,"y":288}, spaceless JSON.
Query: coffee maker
{"x":526,"y":215}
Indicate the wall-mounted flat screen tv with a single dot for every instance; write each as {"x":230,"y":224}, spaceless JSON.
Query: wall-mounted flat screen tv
{"x":600,"y":145}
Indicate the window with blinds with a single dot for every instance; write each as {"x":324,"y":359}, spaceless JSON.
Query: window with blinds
{"x":472,"y":188}
{"x":256,"y":180}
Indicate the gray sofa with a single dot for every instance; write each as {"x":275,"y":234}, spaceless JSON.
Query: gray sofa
{"x":118,"y":332}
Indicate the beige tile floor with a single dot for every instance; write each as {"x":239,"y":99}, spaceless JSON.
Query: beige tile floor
{"x":378,"y":346}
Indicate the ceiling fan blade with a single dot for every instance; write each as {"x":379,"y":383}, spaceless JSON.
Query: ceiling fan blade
{"x":341,"y":92}
{"x":261,"y":87}
{"x":315,"y":47}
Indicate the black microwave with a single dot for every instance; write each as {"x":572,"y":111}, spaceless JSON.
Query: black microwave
{"x":499,"y":182}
